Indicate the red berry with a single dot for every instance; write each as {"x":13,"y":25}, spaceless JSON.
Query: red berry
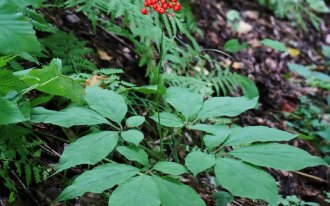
{"x":144,"y":11}
{"x":177,"y":7}
{"x":161,"y":11}
{"x":161,"y":6}
{"x":165,"y":6}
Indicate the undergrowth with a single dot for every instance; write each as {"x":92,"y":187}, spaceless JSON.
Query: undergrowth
{"x":139,"y":142}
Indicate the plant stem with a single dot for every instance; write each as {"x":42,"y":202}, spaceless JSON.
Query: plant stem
{"x":175,"y":151}
{"x":160,"y":64}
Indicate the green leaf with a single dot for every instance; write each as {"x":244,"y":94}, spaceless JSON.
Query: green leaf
{"x":233,"y":15}
{"x":68,"y":117}
{"x":248,"y":87}
{"x":5,"y":59}
{"x":222,"y":198}
{"x":233,"y":46}
{"x":198,"y":162}
{"x":170,"y":168}
{"x":50,"y":80}
{"x":98,"y":180}
{"x":9,"y":82}
{"x":318,"y":6}
{"x":133,"y":136}
{"x":226,"y":106}
{"x":168,"y":119}
{"x":150,"y":89}
{"x":17,"y":34}
{"x":134,"y":153}
{"x":277,"y":156}
{"x":10,"y":112}
{"x":88,"y":149}
{"x":279,"y":46}
{"x":326,"y":51}
{"x":212,"y":141}
{"x":300,"y":69}
{"x":21,"y":4}
{"x":41,"y":99}
{"x":108,"y":103}
{"x":175,"y":193}
{"x":325,"y":134}
{"x":245,"y":180}
{"x":219,"y":134}
{"x":179,"y":98}
{"x":248,"y":135}
{"x":138,"y":191}
{"x":212,"y":128}
{"x":135,"y":121}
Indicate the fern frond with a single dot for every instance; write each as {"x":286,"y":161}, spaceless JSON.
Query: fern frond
{"x":194,"y":84}
{"x":72,"y":51}
{"x":109,"y":71}
{"x":38,"y":21}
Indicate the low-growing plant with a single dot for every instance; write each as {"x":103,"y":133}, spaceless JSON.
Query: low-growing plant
{"x":313,"y":78}
{"x":122,"y":162}
{"x":299,"y":10}
{"x":235,"y":155}
{"x":312,"y":120}
{"x":19,"y":152}
{"x":295,"y":201}
{"x":72,"y":51}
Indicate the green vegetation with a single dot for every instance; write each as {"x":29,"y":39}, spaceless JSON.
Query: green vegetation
{"x":136,"y":141}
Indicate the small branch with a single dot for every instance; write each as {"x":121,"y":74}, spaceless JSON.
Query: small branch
{"x":25,"y":188}
{"x":311,"y":177}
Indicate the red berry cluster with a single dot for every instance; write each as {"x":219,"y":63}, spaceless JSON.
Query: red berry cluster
{"x":161,"y":6}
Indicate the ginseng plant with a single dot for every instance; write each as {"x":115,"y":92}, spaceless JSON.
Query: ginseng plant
{"x":234,"y":156}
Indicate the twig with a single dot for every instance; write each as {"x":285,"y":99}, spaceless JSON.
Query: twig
{"x":25,"y":188}
{"x":311,"y":177}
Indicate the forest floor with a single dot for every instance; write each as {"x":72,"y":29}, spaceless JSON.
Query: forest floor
{"x":279,"y":95}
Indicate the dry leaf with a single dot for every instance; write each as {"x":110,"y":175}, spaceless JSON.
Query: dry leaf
{"x":103,"y":55}
{"x":327,"y":39}
{"x":237,"y":65}
{"x":93,"y":80}
{"x":289,"y":106}
{"x":244,"y":27}
{"x":293,"y":52}
{"x":251,"y":14}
